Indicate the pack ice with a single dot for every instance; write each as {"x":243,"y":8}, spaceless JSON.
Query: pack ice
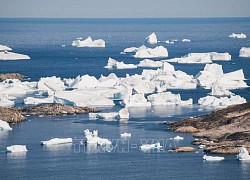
{"x":88,"y":43}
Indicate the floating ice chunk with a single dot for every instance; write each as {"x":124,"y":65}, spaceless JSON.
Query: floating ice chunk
{"x":92,"y":138}
{"x":144,"y":52}
{"x":243,"y":155}
{"x":113,"y":64}
{"x":123,"y":113}
{"x":49,"y":85}
{"x":148,"y":147}
{"x":89,"y":43}
{"x":36,"y":101}
{"x":57,"y":141}
{"x":111,"y":115}
{"x":239,"y":36}
{"x":5,"y":102}
{"x":186,"y":40}
{"x":245,"y":52}
{"x":5,"y":48}
{"x":130,"y":49}
{"x":218,"y":90}
{"x":136,"y":100}
{"x":84,"y":82}
{"x":167,"y":67}
{"x":152,"y":39}
{"x":193,"y":58}
{"x":17,"y":148}
{"x":213,"y":158}
{"x":220,"y":56}
{"x":150,"y":63}
{"x":125,"y":135}
{"x":177,"y":138}
{"x":5,"y":126}
{"x":169,"y":42}
{"x":5,"y":55}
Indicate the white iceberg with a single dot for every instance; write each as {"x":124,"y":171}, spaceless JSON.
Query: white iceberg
{"x":136,"y":100}
{"x":150,"y":63}
{"x":243,"y":155}
{"x":220,"y":56}
{"x":89,"y":43}
{"x":14,"y":87}
{"x":5,"y":48}
{"x":5,"y":55}
{"x":152,"y":39}
{"x":92,"y":138}
{"x":122,"y":114}
{"x":218,"y":90}
{"x":36,"y":101}
{"x":84,"y":82}
{"x":157,"y":52}
{"x":148,"y":147}
{"x":5,"y":102}
{"x":245,"y":52}
{"x":49,"y":85}
{"x":113,"y":64}
{"x":17,"y":148}
{"x":213,"y":158}
{"x":186,"y":40}
{"x":193,"y":58}
{"x":169,"y":42}
{"x":178,"y":138}
{"x":238,"y":36}
{"x":57,"y":141}
{"x":5,"y":126}
{"x":130,"y":49}
{"x":125,"y":135}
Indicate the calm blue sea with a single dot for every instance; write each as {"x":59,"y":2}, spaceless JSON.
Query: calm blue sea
{"x":42,"y":40}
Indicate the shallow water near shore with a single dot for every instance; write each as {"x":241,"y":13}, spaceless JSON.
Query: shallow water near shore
{"x":42,"y":40}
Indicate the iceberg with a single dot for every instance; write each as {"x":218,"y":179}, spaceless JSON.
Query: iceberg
{"x":84,"y":82}
{"x":218,"y":90}
{"x":178,"y":138}
{"x":148,"y":147}
{"x":213,"y":158}
{"x":152,"y":39}
{"x":238,"y":36}
{"x":89,"y":43}
{"x":130,"y":49}
{"x":157,"y":52}
{"x":186,"y":40}
{"x":5,"y":126}
{"x":17,"y":149}
{"x":36,"y":101}
{"x":5,"y":102}
{"x":5,"y":48}
{"x":220,"y":56}
{"x":150,"y":63}
{"x":49,"y":85}
{"x":5,"y":55}
{"x":57,"y":141}
{"x":92,"y":138}
{"x":113,"y":64}
{"x":245,"y":52}
{"x":136,"y":100}
{"x":243,"y":155}
{"x":122,"y":114}
{"x":193,"y":58}
{"x":125,"y":135}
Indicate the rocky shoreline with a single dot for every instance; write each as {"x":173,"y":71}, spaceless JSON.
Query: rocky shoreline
{"x":5,"y":76}
{"x":224,"y":130}
{"x":14,"y":115}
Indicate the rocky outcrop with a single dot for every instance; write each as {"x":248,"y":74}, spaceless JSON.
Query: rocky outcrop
{"x":13,"y":115}
{"x":183,"y":149}
{"x":225,"y":130}
{"x":10,"y":76}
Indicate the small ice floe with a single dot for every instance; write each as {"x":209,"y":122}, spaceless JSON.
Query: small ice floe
{"x":152,"y":39}
{"x":92,"y":138}
{"x":36,"y":101}
{"x":178,"y":138}
{"x":6,"y":55}
{"x":245,"y":52}
{"x":238,"y":36}
{"x":122,"y":114}
{"x":202,"y":146}
{"x":148,"y":147}
{"x":169,"y":42}
{"x":186,"y":40}
{"x":113,"y":64}
{"x":126,"y":135}
{"x":213,"y":158}
{"x":17,"y":148}
{"x":5,"y":126}
{"x":89,"y":43}
{"x":57,"y":141}
{"x":243,"y":155}
{"x":150,"y":63}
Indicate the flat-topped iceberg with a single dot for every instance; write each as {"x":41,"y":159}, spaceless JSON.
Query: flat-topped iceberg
{"x":152,"y":39}
{"x":5,"y":126}
{"x":243,"y":155}
{"x":238,"y":36}
{"x":17,"y":149}
{"x":193,"y":58}
{"x":89,"y":43}
{"x":220,"y":56}
{"x":92,"y":138}
{"x":122,"y":114}
{"x":36,"y":101}
{"x":157,"y":52}
{"x":186,"y":40}
{"x":113,"y":64}
{"x":150,"y":63}
{"x":130,"y":49}
{"x":213,"y":158}
{"x":5,"y":48}
{"x":57,"y":141}
{"x":245,"y":52}
{"x":5,"y":55}
{"x":5,"y":101}
{"x":167,"y":98}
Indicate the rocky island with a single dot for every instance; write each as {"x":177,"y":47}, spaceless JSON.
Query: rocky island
{"x":224,"y":130}
{"x":5,"y":76}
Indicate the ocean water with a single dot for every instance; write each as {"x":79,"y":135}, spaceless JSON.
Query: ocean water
{"x":42,"y":40}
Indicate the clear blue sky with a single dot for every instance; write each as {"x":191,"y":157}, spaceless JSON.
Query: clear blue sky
{"x":123,"y":8}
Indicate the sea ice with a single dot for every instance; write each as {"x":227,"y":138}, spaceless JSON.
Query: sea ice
{"x":113,"y":64}
{"x":17,"y":148}
{"x":5,"y":102}
{"x":57,"y":141}
{"x":5,"y":55}
{"x":157,"y":52}
{"x":49,"y":85}
{"x":193,"y":58}
{"x":36,"y":101}
{"x":220,"y":56}
{"x":136,"y":100}
{"x":89,"y":43}
{"x":245,"y":52}
{"x":150,"y":63}
{"x":152,"y":39}
{"x":213,"y":158}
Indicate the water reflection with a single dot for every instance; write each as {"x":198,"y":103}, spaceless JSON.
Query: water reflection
{"x":17,"y":156}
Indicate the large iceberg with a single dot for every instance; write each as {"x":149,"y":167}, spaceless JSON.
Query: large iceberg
{"x":4,"y":126}
{"x":36,"y":101}
{"x":89,"y":43}
{"x":152,"y":39}
{"x":130,"y":49}
{"x":218,"y":90}
{"x":17,"y":149}
{"x":157,"y":52}
{"x":193,"y":58}
{"x":57,"y":141}
{"x":245,"y":52}
{"x":5,"y":55}
{"x":239,"y":36}
{"x":92,"y":138}
{"x":150,"y":63}
{"x":136,"y":100}
{"x":49,"y":85}
{"x":220,"y":56}
{"x":84,"y":82}
{"x":113,"y":64}
{"x":5,"y":48}
{"x":243,"y":155}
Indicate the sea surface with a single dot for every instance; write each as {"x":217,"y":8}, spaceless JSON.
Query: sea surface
{"x":42,"y":40}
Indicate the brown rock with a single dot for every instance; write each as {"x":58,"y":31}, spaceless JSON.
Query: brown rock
{"x":11,"y":115}
{"x":187,"y":129}
{"x":10,"y":76}
{"x":183,"y":149}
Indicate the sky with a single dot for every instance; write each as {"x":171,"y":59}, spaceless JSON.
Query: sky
{"x":123,"y":8}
